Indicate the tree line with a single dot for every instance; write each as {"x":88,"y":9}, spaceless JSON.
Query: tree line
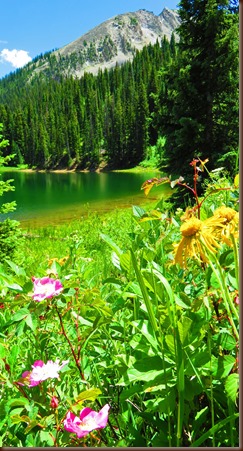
{"x":186,"y":92}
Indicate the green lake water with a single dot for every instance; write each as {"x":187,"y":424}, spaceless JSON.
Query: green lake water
{"x":52,"y":198}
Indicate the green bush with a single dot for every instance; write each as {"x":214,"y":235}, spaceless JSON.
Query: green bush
{"x":9,"y":239}
{"x":9,"y":229}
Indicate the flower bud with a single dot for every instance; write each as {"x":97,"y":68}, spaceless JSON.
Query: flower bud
{"x":54,"y":402}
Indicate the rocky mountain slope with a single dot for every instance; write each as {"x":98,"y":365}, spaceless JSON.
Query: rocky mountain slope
{"x":112,"y":42}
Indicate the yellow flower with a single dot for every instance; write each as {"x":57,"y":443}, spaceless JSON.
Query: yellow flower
{"x":61,"y":261}
{"x":193,"y":232}
{"x":226,"y":212}
{"x":188,"y":214}
{"x":230,"y":219}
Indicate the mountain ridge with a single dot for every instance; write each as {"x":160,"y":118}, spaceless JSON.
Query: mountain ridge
{"x":112,"y":42}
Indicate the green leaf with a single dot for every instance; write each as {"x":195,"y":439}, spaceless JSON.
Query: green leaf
{"x":31,"y":425}
{"x":88,"y":395}
{"x":138,"y":211}
{"x":183,"y":301}
{"x":165,"y":403}
{"x":226,"y":340}
{"x":144,"y":327}
{"x":183,"y":327}
{"x":127,"y":393}
{"x":214,"y":281}
{"x":213,"y":430}
{"x":111,"y":243}
{"x":13,"y":356}
{"x":3,"y":351}
{"x":18,"y":271}
{"x":146,"y":370}
{"x":200,"y":418}
{"x":20,"y":314}
{"x":46,"y":438}
{"x":14,"y":286}
{"x":125,"y":261}
{"x":48,"y":420}
{"x":82,"y":320}
{"x":222,"y":365}
{"x":16,"y":419}
{"x":115,"y":260}
{"x":56,"y":268}
{"x":192,"y":388}
{"x":145,"y":295}
{"x":18,"y":402}
{"x":232,"y":386}
{"x":20,"y":328}
{"x":31,"y":321}
{"x":237,"y":181}
{"x":201,"y":361}
{"x":231,"y":280}
{"x":170,"y":341}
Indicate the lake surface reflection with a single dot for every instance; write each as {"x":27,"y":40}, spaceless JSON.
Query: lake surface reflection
{"x":51,"y":198}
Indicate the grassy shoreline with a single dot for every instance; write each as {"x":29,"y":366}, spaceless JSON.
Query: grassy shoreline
{"x":136,"y":169}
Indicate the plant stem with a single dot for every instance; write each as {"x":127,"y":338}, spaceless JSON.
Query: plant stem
{"x":236,"y":259}
{"x":229,"y":305}
{"x":180,"y":386}
{"x":70,"y":345}
{"x":211,"y":386}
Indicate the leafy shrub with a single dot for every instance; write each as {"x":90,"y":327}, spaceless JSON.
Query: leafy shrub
{"x":9,"y":229}
{"x":10,"y":237}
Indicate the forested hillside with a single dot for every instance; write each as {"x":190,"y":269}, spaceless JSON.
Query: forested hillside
{"x":65,"y":122}
{"x":185,"y":92}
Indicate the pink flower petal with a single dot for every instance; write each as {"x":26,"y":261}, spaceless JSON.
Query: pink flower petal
{"x":42,"y":371}
{"x":38,"y":363}
{"x":86,"y":411}
{"x":46,"y":288}
{"x":89,"y":420}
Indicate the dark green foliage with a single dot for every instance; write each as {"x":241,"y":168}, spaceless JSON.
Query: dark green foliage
{"x":9,"y":239}
{"x":198,"y":103}
{"x":55,"y":121}
{"x":9,"y":229}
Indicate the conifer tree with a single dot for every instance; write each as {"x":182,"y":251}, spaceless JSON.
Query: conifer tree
{"x":199,"y":112}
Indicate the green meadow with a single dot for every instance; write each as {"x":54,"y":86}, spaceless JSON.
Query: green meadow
{"x":137,"y":309}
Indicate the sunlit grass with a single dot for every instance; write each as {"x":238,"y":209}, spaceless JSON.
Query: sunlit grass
{"x":154,"y":336}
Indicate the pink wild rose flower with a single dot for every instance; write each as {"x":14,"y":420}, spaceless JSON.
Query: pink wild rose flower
{"x":46,"y":288}
{"x":42,"y":371}
{"x":88,"y":421}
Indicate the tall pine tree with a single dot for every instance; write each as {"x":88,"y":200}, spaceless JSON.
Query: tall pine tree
{"x":199,"y":109}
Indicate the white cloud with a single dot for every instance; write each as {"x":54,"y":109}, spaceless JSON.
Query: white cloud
{"x":18,"y":58}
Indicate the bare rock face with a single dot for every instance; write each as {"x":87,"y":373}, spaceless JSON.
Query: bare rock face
{"x":112,"y":42}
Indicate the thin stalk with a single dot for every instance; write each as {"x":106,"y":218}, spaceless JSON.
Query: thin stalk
{"x":70,"y":345}
{"x":136,"y":309}
{"x":236,"y":259}
{"x":180,"y":388}
{"x":161,"y":339}
{"x":145,"y":295}
{"x":194,"y":369}
{"x":211,"y":386}
{"x":179,"y":352}
{"x":229,"y":305}
{"x":153,"y":320}
{"x":232,"y":423}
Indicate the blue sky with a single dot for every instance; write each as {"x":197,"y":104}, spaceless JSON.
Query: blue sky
{"x":31,"y":27}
